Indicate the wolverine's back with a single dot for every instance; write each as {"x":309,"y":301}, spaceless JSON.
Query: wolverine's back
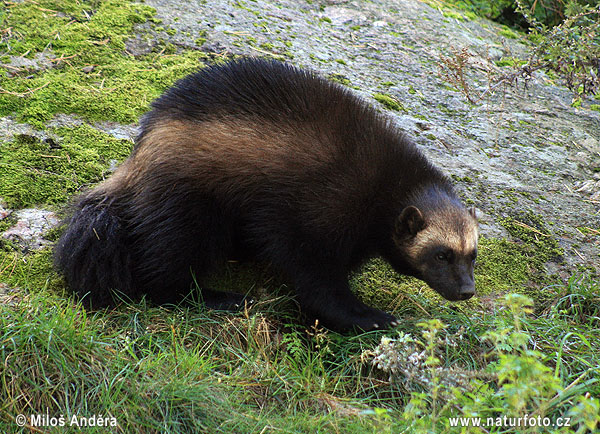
{"x":259,"y":88}
{"x":254,"y":127}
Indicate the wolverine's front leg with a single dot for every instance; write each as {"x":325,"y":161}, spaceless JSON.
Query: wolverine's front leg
{"x":329,"y":300}
{"x":318,"y":273}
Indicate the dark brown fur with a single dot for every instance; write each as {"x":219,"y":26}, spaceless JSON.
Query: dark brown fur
{"x":262,"y":158}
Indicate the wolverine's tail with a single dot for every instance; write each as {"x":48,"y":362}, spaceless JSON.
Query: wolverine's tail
{"x":94,"y":254}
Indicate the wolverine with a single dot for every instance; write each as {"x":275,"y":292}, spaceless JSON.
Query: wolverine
{"x":262,"y":160}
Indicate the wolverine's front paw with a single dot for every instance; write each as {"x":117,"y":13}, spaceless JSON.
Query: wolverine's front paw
{"x":374,"y":319}
{"x":343,"y":317}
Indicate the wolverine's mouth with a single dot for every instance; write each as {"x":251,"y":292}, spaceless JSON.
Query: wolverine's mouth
{"x":456,"y":296}
{"x":465,"y":296}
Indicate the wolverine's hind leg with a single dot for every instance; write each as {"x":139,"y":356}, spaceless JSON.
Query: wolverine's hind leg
{"x":179,"y":243}
{"x":222,"y":300}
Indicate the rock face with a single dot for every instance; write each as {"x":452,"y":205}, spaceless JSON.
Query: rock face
{"x":31,"y":227}
{"x":518,"y":149}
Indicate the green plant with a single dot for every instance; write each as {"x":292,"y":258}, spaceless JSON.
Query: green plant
{"x":519,"y":385}
{"x":570,"y":48}
{"x":568,"y":51}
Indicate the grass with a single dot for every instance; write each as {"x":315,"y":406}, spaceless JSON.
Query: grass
{"x":85,"y":42}
{"x":187,"y":369}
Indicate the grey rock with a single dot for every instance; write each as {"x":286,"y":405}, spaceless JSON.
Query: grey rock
{"x":3,"y":212}
{"x":9,"y":128}
{"x":30,"y":228}
{"x":19,"y":64}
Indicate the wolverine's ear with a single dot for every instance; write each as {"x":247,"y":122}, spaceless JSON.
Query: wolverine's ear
{"x":410,"y":221}
{"x":473,"y":212}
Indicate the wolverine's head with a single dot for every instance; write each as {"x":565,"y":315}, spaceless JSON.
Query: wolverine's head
{"x":437,"y":239}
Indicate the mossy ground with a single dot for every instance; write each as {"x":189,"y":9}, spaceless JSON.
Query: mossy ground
{"x":90,"y":72}
{"x":35,"y":172}
{"x":182,"y":369}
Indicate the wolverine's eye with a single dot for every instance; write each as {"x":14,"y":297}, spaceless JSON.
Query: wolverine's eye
{"x":444,"y":256}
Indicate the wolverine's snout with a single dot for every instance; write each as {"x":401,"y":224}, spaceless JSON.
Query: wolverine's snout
{"x":466,"y":291}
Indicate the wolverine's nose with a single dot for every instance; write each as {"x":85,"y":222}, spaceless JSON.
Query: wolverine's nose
{"x":466,"y":291}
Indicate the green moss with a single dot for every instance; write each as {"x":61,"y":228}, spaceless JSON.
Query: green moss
{"x":32,"y":271}
{"x":510,"y":61}
{"x":340,"y":61}
{"x":6,"y":223}
{"x":389,"y":102}
{"x":585,"y":230}
{"x":340,"y":78}
{"x":378,"y":285}
{"x":107,"y":27}
{"x":532,"y":231}
{"x":466,"y":179}
{"x":514,"y":266}
{"x":453,"y":14}
{"x":471,"y":15}
{"x":118,"y":88}
{"x":595,"y":107}
{"x":518,"y":265}
{"x":252,"y":278}
{"x":502,"y":266}
{"x":242,"y":5}
{"x":507,"y":33}
{"x":35,"y":172}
